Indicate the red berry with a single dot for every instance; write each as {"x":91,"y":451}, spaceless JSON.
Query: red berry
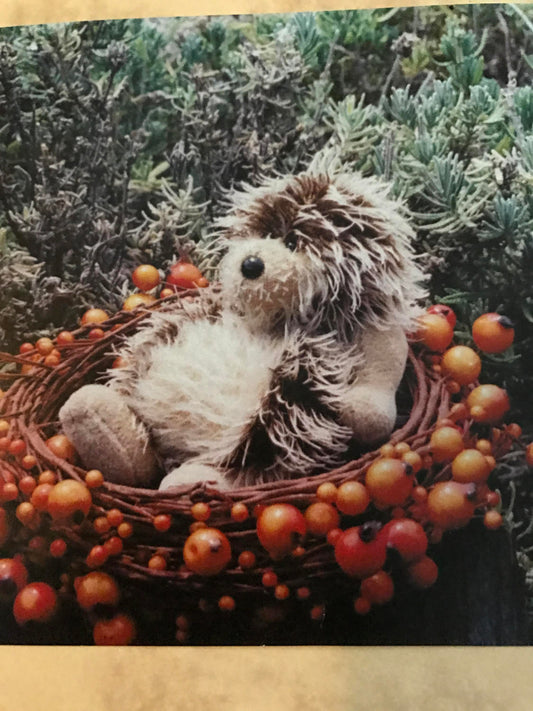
{"x":407,"y":537}
{"x":119,"y":630}
{"x":36,"y":601}
{"x":361,"y":551}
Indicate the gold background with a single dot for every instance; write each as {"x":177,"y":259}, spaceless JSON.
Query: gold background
{"x":249,"y":679}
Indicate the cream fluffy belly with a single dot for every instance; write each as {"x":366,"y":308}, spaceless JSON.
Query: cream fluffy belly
{"x":202,"y":391}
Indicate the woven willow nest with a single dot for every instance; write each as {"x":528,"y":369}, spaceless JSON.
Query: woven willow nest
{"x":152,"y":596}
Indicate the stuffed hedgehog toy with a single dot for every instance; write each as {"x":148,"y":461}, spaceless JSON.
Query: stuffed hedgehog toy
{"x":283,"y":370}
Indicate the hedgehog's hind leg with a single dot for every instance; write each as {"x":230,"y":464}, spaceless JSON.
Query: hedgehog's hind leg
{"x":108,"y":436}
{"x":192,"y":472}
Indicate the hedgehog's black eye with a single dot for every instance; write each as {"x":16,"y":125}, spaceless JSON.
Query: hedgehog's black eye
{"x":291,"y":242}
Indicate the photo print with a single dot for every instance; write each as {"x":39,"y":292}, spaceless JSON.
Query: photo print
{"x":265,"y":327}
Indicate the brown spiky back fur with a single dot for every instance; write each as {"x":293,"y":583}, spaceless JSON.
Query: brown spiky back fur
{"x":353,"y":235}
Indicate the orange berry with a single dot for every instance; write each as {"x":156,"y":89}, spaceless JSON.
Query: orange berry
{"x":321,"y":518}
{"x":493,"y":498}
{"x":119,"y":630}
{"x":182,"y":622}
{"x":281,"y":592}
{"x":114,"y":546}
{"x":239,"y":512}
{"x":490,"y":461}
{"x":461,"y":364}
{"x":135,"y":300}
{"x":94,"y":316}
{"x":69,"y":498}
{"x":269,"y":579}
{"x":226,"y":603}
{"x":420,"y":494}
{"x":196,"y":526}
{"x":125,"y":530}
{"x":58,"y":548}
{"x":115,"y":517}
{"x":47,"y":477}
{"x":492,"y":520}
{"x":201,"y":511}
{"x":28,"y":461}
{"x":378,"y":589}
{"x":146,"y":277}
{"x":279,"y":528}
{"x":162,"y":522}
{"x":493,"y":333}
{"x":97,"y":556}
{"x":207,"y":551}
{"x":44,"y":346}
{"x":94,"y":479}
{"x":362,"y":606}
{"x":166,"y":292}
{"x":4,"y":428}
{"x":353,"y":498}
{"x":258,"y":510}
{"x":333,"y":536}
{"x":27,"y":484}
{"x":423,"y":573}
{"x":26,"y":513}
{"x":62,"y":447}
{"x":488,"y":403}
{"x":64,"y":338}
{"x":101,"y":525}
{"x":26,"y":348}
{"x":446,"y":443}
{"x":484,"y":446}
{"x":401,"y":448}
{"x":387,"y":450}
{"x":95,"y":334}
{"x":303,"y":593}
{"x":414,"y":460}
{"x":36,"y":601}
{"x":157,"y":562}
{"x":96,"y":588}
{"x":247,"y":560}
{"x":327,"y":492}
{"x":39,"y":496}
{"x":434,"y":331}
{"x":52,"y":360}
{"x":17,"y":447}
{"x":317,"y":613}
{"x":514,"y":430}
{"x":388,"y":481}
{"x":458,"y":412}
{"x":450,"y":504}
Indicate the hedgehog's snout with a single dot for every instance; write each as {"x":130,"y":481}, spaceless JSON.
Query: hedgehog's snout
{"x":252,"y":267}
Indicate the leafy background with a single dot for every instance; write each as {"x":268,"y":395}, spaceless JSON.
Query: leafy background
{"x":119,"y":142}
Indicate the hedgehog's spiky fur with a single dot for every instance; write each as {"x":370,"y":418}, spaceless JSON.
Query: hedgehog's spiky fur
{"x":260,"y":385}
{"x":362,"y":272}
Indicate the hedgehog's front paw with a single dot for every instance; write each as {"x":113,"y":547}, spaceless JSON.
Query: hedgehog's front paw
{"x":108,"y":436}
{"x":371,"y":413}
{"x":192,"y":473}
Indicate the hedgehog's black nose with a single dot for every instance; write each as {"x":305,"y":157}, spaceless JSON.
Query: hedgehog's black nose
{"x":252,"y":267}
